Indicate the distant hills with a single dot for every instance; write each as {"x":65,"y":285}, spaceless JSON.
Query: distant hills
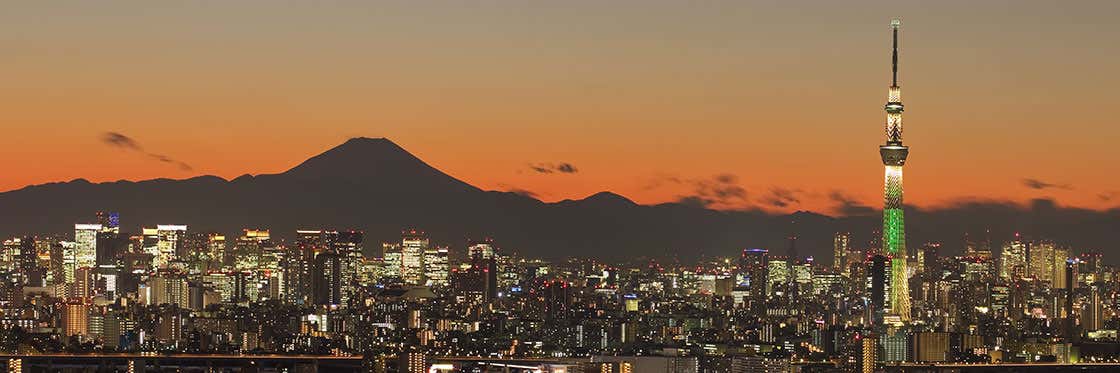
{"x":375,"y":185}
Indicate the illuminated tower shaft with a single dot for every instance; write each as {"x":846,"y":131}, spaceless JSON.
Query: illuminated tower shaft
{"x":894,"y":157}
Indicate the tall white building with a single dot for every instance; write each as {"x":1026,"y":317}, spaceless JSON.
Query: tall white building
{"x":437,"y":268}
{"x":413,"y":245}
{"x":85,"y":245}
{"x":1013,"y":260}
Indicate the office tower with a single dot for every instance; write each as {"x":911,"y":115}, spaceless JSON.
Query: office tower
{"x":928,"y":262}
{"x":349,"y":245}
{"x":436,"y":266}
{"x":392,"y":260}
{"x":110,"y":244}
{"x":480,"y":278}
{"x":1058,"y":278}
{"x":1092,"y":311}
{"x":300,"y":265}
{"x":68,"y":252}
{"x":841,"y":245}
{"x":1071,"y":283}
{"x":413,"y":244}
{"x":247,"y":251}
{"x":1013,"y":260}
{"x":216,"y":248}
{"x":163,"y":243}
{"x":894,"y":155}
{"x":328,"y":278}
{"x":1091,"y":265}
{"x":1041,"y":261}
{"x":483,"y":249}
{"x":85,"y":245}
{"x":777,"y":276}
{"x":169,"y":288}
{"x":753,"y":267}
{"x":879,"y":286}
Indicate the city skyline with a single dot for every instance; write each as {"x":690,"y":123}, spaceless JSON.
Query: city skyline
{"x":751,"y":77}
{"x":594,"y":201}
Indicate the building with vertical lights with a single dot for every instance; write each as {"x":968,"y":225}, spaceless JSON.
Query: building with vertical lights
{"x":841,"y":244}
{"x":413,"y":244}
{"x":85,"y":241}
{"x":894,"y":154}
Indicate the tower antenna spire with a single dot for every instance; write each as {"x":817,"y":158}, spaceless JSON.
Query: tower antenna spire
{"x":895,"y":24}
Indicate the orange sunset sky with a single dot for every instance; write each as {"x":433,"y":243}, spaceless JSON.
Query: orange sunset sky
{"x":650,"y":99}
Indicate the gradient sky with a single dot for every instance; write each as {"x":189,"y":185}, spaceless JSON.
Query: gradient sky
{"x":650,"y":99}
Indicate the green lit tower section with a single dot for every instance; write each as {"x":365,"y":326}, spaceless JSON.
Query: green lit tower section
{"x":894,"y":157}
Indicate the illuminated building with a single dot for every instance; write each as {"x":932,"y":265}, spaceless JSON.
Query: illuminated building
{"x":413,"y":244}
{"x":481,"y":249}
{"x":391,"y":255}
{"x":75,"y":318}
{"x":752,"y":270}
{"x":868,"y":354}
{"x":67,"y":251}
{"x":248,"y":249}
{"x":1041,"y":266}
{"x":164,"y":242}
{"x":436,"y":266}
{"x":300,"y":265}
{"x":841,"y":245}
{"x":1058,"y":278}
{"x":777,"y":276}
{"x":85,"y":245}
{"x":1013,"y":260}
{"x":927,"y":259}
{"x":216,"y":246}
{"x":931,"y":346}
{"x":348,"y":245}
{"x":894,"y":155}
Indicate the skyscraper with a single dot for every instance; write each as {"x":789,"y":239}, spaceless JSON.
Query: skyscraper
{"x":85,"y":245}
{"x":1013,"y":260}
{"x":413,"y":244}
{"x":894,"y":155}
{"x":841,"y":244}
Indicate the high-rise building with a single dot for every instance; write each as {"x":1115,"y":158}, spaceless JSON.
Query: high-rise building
{"x":328,"y":278}
{"x":248,"y":249}
{"x":349,"y":246}
{"x":777,"y":276}
{"x":437,"y":267}
{"x":163,"y":242}
{"x":927,"y":259}
{"x":300,"y":266}
{"x":392,"y":260}
{"x":75,"y":318}
{"x":1013,"y":260}
{"x":879,"y":286}
{"x":1041,"y":262}
{"x":894,"y":155}
{"x":841,"y":244}
{"x":413,"y":244}
{"x":1058,"y":278}
{"x":216,"y":248}
{"x":752,"y":270}
{"x":85,"y":245}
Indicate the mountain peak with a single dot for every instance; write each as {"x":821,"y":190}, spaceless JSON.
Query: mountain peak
{"x":372,"y":160}
{"x":609,"y":197}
